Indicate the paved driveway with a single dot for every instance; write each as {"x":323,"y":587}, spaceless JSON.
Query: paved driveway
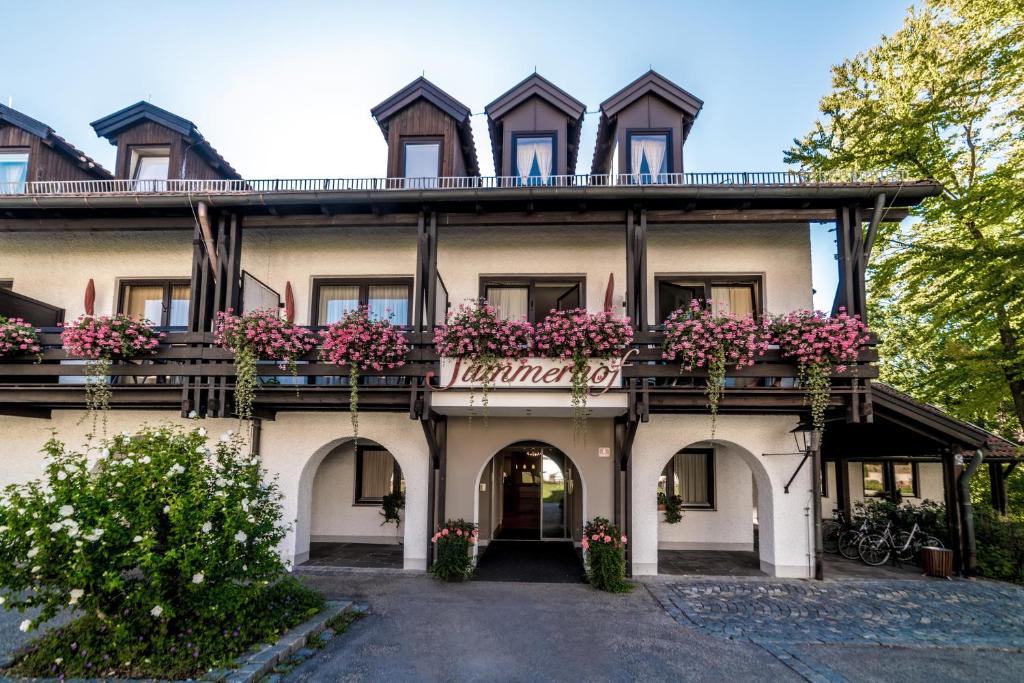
{"x":700,"y":629}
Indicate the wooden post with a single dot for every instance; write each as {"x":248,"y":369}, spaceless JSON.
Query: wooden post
{"x":843,"y":488}
{"x":844,"y":290}
{"x":631,"y":268}
{"x":859,"y":301}
{"x":952,"y":508}
{"x":997,"y":487}
{"x":421,"y":260}
{"x":641,"y":272}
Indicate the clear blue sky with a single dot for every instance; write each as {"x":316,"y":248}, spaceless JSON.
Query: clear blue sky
{"x":283,"y":89}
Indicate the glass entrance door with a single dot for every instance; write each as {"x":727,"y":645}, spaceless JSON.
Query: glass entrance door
{"x":554,"y":496}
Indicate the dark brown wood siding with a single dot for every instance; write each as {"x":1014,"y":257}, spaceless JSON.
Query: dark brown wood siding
{"x":44,"y":162}
{"x":422,"y":119}
{"x":150,"y":134}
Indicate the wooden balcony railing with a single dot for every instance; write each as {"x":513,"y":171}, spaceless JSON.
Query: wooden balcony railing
{"x":189,"y":372}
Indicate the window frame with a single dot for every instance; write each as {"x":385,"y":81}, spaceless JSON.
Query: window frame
{"x":168,"y":284}
{"x":530,"y":282}
{"x":364,"y":284}
{"x":27,"y":151}
{"x":889,"y":479}
{"x":707,"y":281}
{"x":513,"y":159}
{"x":669,"y":156}
{"x":7,"y":283}
{"x":406,"y":140}
{"x":358,"y":499}
{"x":670,"y":477}
{"x":136,"y":154}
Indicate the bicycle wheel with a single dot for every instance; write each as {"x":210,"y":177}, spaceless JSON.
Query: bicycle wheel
{"x":848,"y":541}
{"x":874,"y":550}
{"x":907,"y":548}
{"x":830,"y":531}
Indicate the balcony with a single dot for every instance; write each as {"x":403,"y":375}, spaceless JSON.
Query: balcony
{"x":189,"y":373}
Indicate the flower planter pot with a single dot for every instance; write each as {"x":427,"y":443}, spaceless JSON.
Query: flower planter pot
{"x":661,"y":507}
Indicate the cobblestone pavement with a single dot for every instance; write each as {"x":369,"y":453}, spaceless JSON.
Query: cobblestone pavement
{"x":812,"y":627}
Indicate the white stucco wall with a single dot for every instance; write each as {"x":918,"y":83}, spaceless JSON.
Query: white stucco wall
{"x":335,"y":515}
{"x":930,"y":486}
{"x":729,"y":526}
{"x":785,"y":530}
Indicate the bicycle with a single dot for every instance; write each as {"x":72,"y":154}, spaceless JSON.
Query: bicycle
{"x":850,"y":539}
{"x":876,"y":549}
{"x":831,"y":530}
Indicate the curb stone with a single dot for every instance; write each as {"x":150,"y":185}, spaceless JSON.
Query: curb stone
{"x":250,"y":667}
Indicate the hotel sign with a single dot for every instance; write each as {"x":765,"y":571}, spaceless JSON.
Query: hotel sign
{"x":532,"y":373}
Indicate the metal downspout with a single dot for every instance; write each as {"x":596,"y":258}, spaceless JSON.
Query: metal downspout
{"x":966,"y":515}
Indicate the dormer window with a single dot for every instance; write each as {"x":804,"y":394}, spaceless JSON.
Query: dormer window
{"x":13,"y":171}
{"x":534,"y":157}
{"x":649,"y":156}
{"x":149,"y":166}
{"x":421,"y":162}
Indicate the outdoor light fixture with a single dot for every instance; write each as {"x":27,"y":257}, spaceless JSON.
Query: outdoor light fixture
{"x":806,"y":438}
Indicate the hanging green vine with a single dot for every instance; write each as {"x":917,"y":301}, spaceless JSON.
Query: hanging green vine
{"x":353,"y":400}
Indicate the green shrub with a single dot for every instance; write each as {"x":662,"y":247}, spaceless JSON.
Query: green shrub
{"x":452,"y":543}
{"x":605,"y":548}
{"x":167,"y":549}
{"x":1000,"y":545}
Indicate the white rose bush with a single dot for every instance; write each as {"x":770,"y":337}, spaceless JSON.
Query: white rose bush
{"x":165,"y":551}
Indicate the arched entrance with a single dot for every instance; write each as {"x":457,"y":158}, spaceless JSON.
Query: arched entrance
{"x":530,"y":512}
{"x":346,"y":525}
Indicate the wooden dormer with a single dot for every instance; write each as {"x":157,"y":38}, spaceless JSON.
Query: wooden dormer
{"x":31,"y":151}
{"x":537,"y":113}
{"x":154,"y":144}
{"x":651,"y":114}
{"x":424,"y":124}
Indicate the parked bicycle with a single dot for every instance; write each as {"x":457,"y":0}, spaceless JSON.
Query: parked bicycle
{"x":849,"y":540}
{"x":875,"y":549}
{"x":831,"y":530}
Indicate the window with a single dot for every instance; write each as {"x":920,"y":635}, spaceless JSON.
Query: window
{"x":729,"y":294}
{"x":13,"y":171}
{"x":882,"y":479}
{"x":524,"y":298}
{"x":533,"y":157}
{"x":150,"y":165}
{"x":377,"y":474}
{"x":650,"y":156}
{"x":6,"y":284}
{"x":692,"y":473}
{"x":421,"y":162}
{"x":391,"y":298}
{"x":161,"y":302}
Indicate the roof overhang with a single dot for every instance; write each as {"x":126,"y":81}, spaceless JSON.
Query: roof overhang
{"x":49,"y":136}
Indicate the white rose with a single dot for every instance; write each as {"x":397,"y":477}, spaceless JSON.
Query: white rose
{"x":76,"y":594}
{"x":56,"y":526}
{"x":137,"y":539}
{"x":61,"y":475}
{"x":245,"y":505}
{"x":3,"y":599}
{"x":167,"y":509}
{"x":198,"y":578}
{"x":66,"y":511}
{"x":202,"y":431}
{"x":145,"y":460}
{"x":105,"y":452}
{"x":32,"y":552}
{"x":241,"y":537}
{"x":207,"y":527}
{"x":25,"y":625}
{"x":157,"y":611}
{"x":192,"y":414}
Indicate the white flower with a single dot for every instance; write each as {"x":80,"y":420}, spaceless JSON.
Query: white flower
{"x":32,"y":552}
{"x":61,"y":475}
{"x":202,"y":431}
{"x":145,"y":460}
{"x":94,"y":535}
{"x":105,"y":452}
{"x":35,"y":569}
{"x":198,"y":578}
{"x":167,"y":508}
{"x":176,"y":468}
{"x":76,"y":594}
{"x":157,"y":611}
{"x":137,"y":539}
{"x":58,"y":660}
{"x":30,"y":532}
{"x":3,"y":529}
{"x":126,"y":434}
{"x":56,"y":526}
{"x":25,"y":625}
{"x":220,"y":481}
{"x":3,"y":599}
{"x":192,"y":414}
{"x":226,"y":436}
{"x":245,"y":505}
{"x":241,"y":537}
{"x":207,"y":527}
{"x":66,"y":511}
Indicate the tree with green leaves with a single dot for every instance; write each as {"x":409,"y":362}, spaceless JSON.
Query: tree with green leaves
{"x":943,"y":98}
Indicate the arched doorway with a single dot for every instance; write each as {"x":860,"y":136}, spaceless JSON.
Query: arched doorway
{"x":530,"y":512}
{"x":346,"y":522}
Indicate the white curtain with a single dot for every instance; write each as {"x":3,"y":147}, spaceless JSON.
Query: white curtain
{"x":524,"y":158}
{"x":389,"y":302}
{"x":737,"y":300}
{"x":512,"y":303}
{"x":13,"y":173}
{"x":378,"y":469}
{"x":636,"y":160}
{"x":335,"y":302}
{"x":544,"y":159}
{"x":692,"y":471}
{"x":653,"y":148}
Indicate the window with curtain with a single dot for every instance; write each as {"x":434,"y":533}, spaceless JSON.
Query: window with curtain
{"x":693,"y":477}
{"x":421,"y":162}
{"x":648,"y":157}
{"x":335,"y":301}
{"x":511,"y":303}
{"x":383,"y":300}
{"x":13,"y":171}
{"x":151,"y":167}
{"x":736,"y":299}
{"x":534,"y":158}
{"x":162,"y":302}
{"x":389,"y":302}
{"x":375,"y":474}
{"x":738,"y":295}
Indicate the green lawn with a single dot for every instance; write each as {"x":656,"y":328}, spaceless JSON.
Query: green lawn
{"x":553,"y":491}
